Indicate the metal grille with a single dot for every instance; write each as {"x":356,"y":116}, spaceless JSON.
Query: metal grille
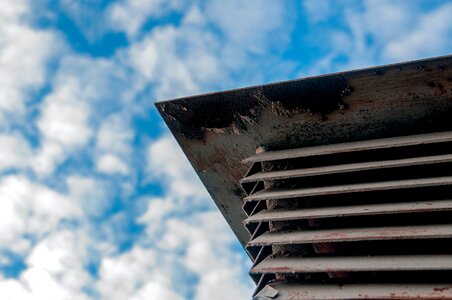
{"x":361,"y":220}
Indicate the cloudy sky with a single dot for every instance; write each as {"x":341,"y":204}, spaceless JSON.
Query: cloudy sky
{"x":96,"y":199}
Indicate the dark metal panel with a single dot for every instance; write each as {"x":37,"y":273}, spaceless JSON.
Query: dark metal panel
{"x":284,"y":265}
{"x":291,"y":291}
{"x":347,"y":211}
{"x":349,"y":188}
{"x":217,"y":131}
{"x":394,"y":142}
{"x":354,"y":234}
{"x":345,"y":168}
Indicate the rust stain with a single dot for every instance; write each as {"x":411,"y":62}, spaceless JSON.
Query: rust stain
{"x":443,"y":289}
{"x":222,"y":110}
{"x":318,"y":97}
{"x":277,"y":270}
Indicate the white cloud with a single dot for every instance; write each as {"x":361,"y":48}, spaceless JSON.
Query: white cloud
{"x":30,"y":209}
{"x":55,"y":270}
{"x":4,"y":260}
{"x":153,"y":290}
{"x":209,"y":49}
{"x":15,"y":152}
{"x":12,"y":289}
{"x":157,"y":209}
{"x":427,"y":38}
{"x":223,"y":283}
{"x":381,"y":31}
{"x":115,"y":135}
{"x":130,"y":15}
{"x":167,"y":162}
{"x":111,"y":164}
{"x":91,"y":194}
{"x":319,"y":11}
{"x":88,"y":112}
{"x":203,"y":237}
{"x":97,"y":79}
{"x":152,"y":273}
{"x":48,"y":156}
{"x":251,"y":25}
{"x":207,"y":242}
{"x":24,"y":55}
{"x":67,"y":119}
{"x":114,"y":145}
{"x":159,"y":61}
{"x":64,"y":118}
{"x":134,"y":275}
{"x":85,"y":15}
{"x":380,"y":22}
{"x":12,"y":10}
{"x":63,"y":125}
{"x":63,"y":256}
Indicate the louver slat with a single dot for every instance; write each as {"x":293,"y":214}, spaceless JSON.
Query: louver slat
{"x":409,"y":207}
{"x":355,"y":234}
{"x":394,"y":142}
{"x":336,"y":169}
{"x":353,"y":264}
{"x":349,"y":211}
{"x":349,"y":188}
{"x":361,"y":291}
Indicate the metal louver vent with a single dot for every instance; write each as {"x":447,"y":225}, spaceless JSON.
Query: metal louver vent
{"x":369,"y":219}
{"x":352,"y":196}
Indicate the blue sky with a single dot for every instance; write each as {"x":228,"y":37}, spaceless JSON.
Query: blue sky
{"x":96,"y":199}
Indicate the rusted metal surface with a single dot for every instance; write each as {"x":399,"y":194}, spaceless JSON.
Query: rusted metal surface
{"x":291,"y":291}
{"x":354,"y":234}
{"x":349,"y":173}
{"x":350,"y":188}
{"x":217,"y":131}
{"x":356,"y":167}
{"x":349,"y":211}
{"x":353,"y":264}
{"x":413,"y":140}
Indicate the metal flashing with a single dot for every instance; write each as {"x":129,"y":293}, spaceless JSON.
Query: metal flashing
{"x":327,"y":177}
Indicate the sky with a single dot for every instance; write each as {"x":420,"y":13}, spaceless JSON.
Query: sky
{"x":97,"y":201}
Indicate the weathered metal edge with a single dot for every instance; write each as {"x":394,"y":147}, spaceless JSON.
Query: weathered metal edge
{"x":217,"y":130}
{"x":349,"y":71}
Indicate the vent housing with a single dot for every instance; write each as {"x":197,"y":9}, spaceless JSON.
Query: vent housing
{"x":350,"y":195}
{"x":364,"y":216}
